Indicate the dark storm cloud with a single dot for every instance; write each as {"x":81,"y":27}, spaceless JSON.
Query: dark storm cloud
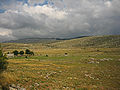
{"x":66,"y":18}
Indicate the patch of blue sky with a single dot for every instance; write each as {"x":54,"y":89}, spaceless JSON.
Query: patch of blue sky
{"x":46,"y":2}
{"x":51,"y":3}
{"x":2,"y":10}
{"x":24,"y":1}
{"x":4,"y":2}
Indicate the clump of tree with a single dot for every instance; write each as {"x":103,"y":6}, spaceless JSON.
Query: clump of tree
{"x":28,"y":52}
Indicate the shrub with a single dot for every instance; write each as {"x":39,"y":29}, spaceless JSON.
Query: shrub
{"x":3,"y":62}
{"x":32,"y":53}
{"x":27,"y":51}
{"x":21,"y":52}
{"x":15,"y":52}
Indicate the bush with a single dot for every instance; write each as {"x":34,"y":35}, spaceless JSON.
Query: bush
{"x":3,"y":62}
{"x":15,"y":52}
{"x":21,"y":52}
{"x":27,"y":51}
{"x":32,"y":53}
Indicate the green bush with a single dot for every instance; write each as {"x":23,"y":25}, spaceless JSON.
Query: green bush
{"x":21,"y":53}
{"x":16,"y":52}
{"x":27,"y":51}
{"x":3,"y":62}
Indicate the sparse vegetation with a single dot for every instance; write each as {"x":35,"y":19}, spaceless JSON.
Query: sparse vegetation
{"x":93,"y":41}
{"x":3,"y":66}
{"x":69,"y":65}
{"x":82,"y":68}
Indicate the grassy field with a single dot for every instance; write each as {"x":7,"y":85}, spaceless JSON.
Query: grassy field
{"x":82,"y":69}
{"x":111,"y":41}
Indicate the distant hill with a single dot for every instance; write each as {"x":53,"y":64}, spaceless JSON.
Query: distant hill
{"x":92,"y":41}
{"x":111,"y":41}
{"x":39,"y":40}
{"x":33,"y":40}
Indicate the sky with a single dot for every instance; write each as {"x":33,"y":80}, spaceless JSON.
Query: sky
{"x":58,"y":18}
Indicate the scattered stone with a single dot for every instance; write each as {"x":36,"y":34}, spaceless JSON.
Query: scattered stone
{"x":60,"y":71}
{"x":105,"y":59}
{"x":11,"y":88}
{"x":13,"y":85}
{"x":22,"y":89}
{"x":37,"y":84}
{"x":69,"y":78}
{"x":88,"y":75}
{"x":16,"y":87}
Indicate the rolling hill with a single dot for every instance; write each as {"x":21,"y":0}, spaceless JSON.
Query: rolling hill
{"x":110,"y":41}
{"x":33,"y":40}
{"x":39,"y":40}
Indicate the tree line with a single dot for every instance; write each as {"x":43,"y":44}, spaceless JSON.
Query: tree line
{"x":27,"y":51}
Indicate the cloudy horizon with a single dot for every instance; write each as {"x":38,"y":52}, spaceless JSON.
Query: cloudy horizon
{"x":58,"y":19}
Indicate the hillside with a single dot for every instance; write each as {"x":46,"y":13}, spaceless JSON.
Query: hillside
{"x":34,"y":40}
{"x":39,"y":40}
{"x":93,"y":41}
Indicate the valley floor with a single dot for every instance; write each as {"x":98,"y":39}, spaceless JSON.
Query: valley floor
{"x":80,"y":69}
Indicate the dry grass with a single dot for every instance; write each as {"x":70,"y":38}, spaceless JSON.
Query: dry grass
{"x":82,"y":69}
{"x":7,"y":78}
{"x":79,"y":70}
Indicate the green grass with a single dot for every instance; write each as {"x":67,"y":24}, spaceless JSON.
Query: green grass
{"x":93,"y":63}
{"x":74,"y":71}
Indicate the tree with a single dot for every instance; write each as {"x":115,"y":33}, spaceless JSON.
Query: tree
{"x":3,"y":62}
{"x":32,"y":53}
{"x":4,"y":80}
{"x":27,"y":51}
{"x":21,"y":53}
{"x":15,"y":52}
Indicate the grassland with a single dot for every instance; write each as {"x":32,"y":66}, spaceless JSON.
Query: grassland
{"x":84,"y":68}
{"x":94,"y":41}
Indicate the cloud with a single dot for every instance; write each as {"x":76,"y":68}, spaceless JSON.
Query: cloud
{"x":68,"y":18}
{"x":5,"y":35}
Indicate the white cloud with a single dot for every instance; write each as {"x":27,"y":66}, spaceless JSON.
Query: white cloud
{"x":108,"y":3}
{"x":81,"y":17}
{"x":45,"y":10}
{"x":6,"y":34}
